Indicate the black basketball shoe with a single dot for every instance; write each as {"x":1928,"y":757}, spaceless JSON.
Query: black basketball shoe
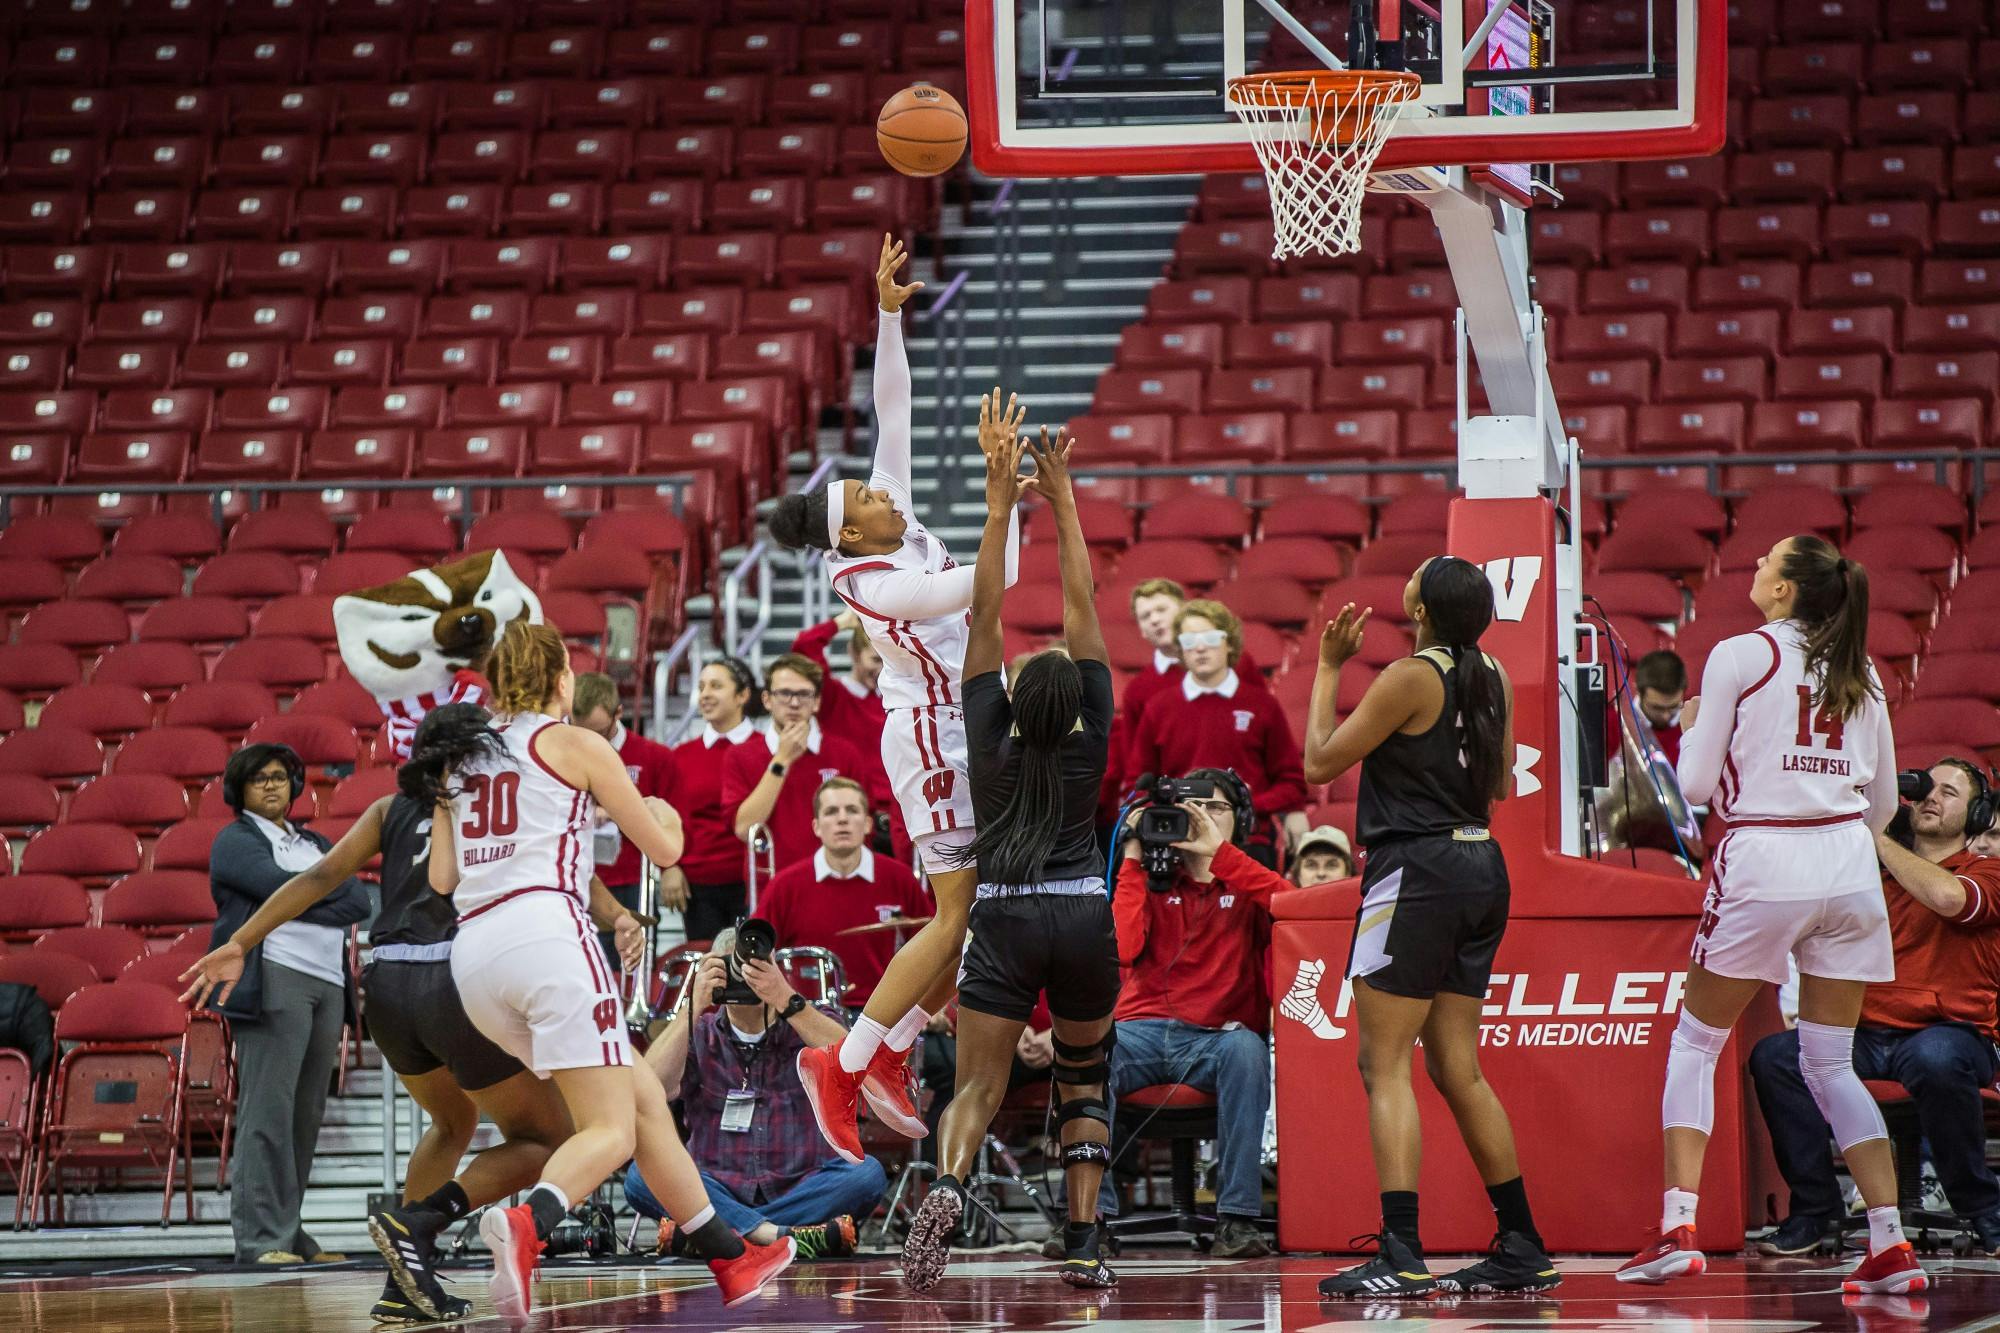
{"x":1394,"y":1272}
{"x":396,"y":1308}
{"x":1512,"y":1263}
{"x":1083,"y":1260}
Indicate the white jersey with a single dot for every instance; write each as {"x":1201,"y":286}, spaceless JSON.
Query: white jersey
{"x":1766,"y":757}
{"x":519,"y":827}
{"x":915,"y":601}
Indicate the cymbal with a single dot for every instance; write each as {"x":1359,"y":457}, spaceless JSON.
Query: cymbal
{"x":893,"y":923}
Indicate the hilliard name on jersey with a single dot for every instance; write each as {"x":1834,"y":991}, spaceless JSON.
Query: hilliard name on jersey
{"x":497,"y":851}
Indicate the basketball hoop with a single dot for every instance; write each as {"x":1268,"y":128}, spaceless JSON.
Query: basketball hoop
{"x":1317,"y":134}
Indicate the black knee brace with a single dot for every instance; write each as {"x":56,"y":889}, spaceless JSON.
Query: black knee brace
{"x":1079,"y":1154}
{"x":1071,"y":1071}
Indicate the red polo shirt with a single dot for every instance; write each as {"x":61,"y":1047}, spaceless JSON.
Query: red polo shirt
{"x":791,"y":818}
{"x":714,"y":853}
{"x":1234,"y":727}
{"x":1163,"y":674}
{"x":810,"y":905}
{"x":1195,"y":953}
{"x":650,"y":765}
{"x":1947,"y":968}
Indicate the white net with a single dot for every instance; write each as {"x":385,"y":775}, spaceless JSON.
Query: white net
{"x":1317,"y":135}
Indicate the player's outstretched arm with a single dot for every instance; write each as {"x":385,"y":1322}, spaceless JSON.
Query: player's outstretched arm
{"x":1001,"y":442}
{"x":1082,"y":634}
{"x":892,"y":368}
{"x":1332,"y":748}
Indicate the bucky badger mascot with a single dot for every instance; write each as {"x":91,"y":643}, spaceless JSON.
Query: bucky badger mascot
{"x":420,"y":642}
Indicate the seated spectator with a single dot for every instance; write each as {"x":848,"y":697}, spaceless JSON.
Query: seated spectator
{"x":770,"y":778}
{"x":1933,"y":1029}
{"x":708,"y":887}
{"x":1186,"y":1013}
{"x":751,"y":1131}
{"x":287,"y":1011}
{"x":27,"y":1026}
{"x":1322,"y":856}
{"x":1660,"y":681}
{"x":1155,"y":604}
{"x":650,"y":765}
{"x":1213,"y":721}
{"x":841,"y":886}
{"x":1987,"y":843}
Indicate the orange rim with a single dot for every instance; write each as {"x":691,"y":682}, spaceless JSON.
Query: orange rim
{"x":1339,"y":99}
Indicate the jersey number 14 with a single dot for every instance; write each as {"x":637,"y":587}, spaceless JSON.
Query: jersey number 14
{"x":1822,"y":723}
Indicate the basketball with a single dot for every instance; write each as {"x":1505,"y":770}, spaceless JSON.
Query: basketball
{"x":921,"y":130}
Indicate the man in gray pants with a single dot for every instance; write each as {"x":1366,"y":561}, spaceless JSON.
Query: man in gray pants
{"x":286,"y":1012}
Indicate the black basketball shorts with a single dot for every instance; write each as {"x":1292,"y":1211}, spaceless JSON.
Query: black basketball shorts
{"x":1019,"y":945}
{"x":418,"y":1022}
{"x":1433,"y":910}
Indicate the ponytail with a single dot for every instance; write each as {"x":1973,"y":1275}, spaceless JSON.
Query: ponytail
{"x":525,"y":666}
{"x":1830,"y":603}
{"x":1014,"y":847}
{"x":1458,"y":605}
{"x":449,"y":737}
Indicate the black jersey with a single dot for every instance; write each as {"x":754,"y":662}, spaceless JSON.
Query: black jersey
{"x":1415,"y":786}
{"x":412,"y":912}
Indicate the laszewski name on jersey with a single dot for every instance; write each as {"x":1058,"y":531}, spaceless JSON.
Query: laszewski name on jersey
{"x":1817,"y":763}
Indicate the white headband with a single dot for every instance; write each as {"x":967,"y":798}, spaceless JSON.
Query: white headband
{"x":836,"y":513}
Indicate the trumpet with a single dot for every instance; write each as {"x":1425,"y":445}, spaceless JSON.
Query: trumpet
{"x":639,"y":1007}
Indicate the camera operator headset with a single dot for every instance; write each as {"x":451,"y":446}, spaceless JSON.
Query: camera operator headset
{"x":1914,"y":785}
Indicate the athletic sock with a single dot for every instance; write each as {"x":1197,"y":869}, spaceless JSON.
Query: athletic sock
{"x":1510,"y":1206}
{"x":549,"y":1206}
{"x":709,"y":1237}
{"x":1885,"y":1228}
{"x":1678,"y":1210}
{"x":1399,"y":1218}
{"x":904,"y":1035}
{"x":1079,"y":1237}
{"x":447,"y":1202}
{"x":858,"y":1047}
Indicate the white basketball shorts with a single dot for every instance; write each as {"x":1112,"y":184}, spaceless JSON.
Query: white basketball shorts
{"x":533,"y":978}
{"x":923,"y":750}
{"x":1756,"y":918}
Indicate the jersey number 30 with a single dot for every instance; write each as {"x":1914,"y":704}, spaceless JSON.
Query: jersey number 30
{"x":1824,"y":723}
{"x":495,"y":809}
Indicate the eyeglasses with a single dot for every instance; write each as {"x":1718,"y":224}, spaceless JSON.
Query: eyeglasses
{"x":1204,"y":638}
{"x":278,"y":779}
{"x":793,"y":696}
{"x":1215,"y":807}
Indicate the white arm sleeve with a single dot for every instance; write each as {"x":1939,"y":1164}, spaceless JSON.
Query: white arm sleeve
{"x":1705,"y":746}
{"x":911,"y":594}
{"x":1881,"y":789}
{"x":892,"y":404}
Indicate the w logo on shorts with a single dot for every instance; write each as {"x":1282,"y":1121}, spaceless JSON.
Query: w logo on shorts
{"x":606,"y":1014}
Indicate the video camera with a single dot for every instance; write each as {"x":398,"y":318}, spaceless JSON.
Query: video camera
{"x":1162,"y":823}
{"x":752,"y":940}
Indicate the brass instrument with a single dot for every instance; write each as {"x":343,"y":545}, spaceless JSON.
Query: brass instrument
{"x":763,"y":864}
{"x":639,"y":1005}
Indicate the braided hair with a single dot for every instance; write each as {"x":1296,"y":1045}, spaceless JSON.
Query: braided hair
{"x":1458,"y":605}
{"x":1013,"y":847}
{"x":449,"y":737}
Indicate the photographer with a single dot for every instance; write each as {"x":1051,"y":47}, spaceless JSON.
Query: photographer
{"x":1193,"y":1009}
{"x":730,"y":1056}
{"x":1933,"y":1029}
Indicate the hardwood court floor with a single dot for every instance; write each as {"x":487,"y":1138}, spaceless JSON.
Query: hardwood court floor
{"x":1162,"y":1292}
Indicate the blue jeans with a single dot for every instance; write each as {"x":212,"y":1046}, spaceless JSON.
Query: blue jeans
{"x":828,"y":1190}
{"x":1944,"y":1067}
{"x":1235,"y":1065}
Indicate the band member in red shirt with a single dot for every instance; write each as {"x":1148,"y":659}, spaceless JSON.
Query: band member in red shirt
{"x":843,"y":885}
{"x":770,"y":779}
{"x":648,"y":763}
{"x":708,"y":885}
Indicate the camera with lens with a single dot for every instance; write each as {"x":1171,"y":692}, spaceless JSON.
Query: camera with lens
{"x":753,"y":941}
{"x":1162,"y":823}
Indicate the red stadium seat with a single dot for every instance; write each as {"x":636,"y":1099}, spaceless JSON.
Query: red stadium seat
{"x":1689,"y":428}
{"x":80,"y":624}
{"x":1851,"y":376}
{"x":107,"y":712}
{"x":189,"y":754}
{"x":1723,"y":378}
{"x":55,"y":976}
{"x":130,"y":579}
{"x":1285,"y":389}
{"x":1920,"y":503}
{"x":92,"y":854}
{"x":1903,"y":546}
{"x":284,"y":665}
{"x":160,"y":904}
{"x":319,"y":740}
{"x":145,"y":802}
{"x":227,"y":707}
{"x":1861,"y":329}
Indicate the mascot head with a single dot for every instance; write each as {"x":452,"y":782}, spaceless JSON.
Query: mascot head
{"x":413,"y":636}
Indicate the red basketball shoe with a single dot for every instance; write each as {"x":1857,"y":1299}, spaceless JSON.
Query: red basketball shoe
{"x":832,"y":1090}
{"x":1672,"y":1255}
{"x":745,"y":1275}
{"x":510,"y":1234}
{"x":886,"y":1085}
{"x":1893,"y":1272}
